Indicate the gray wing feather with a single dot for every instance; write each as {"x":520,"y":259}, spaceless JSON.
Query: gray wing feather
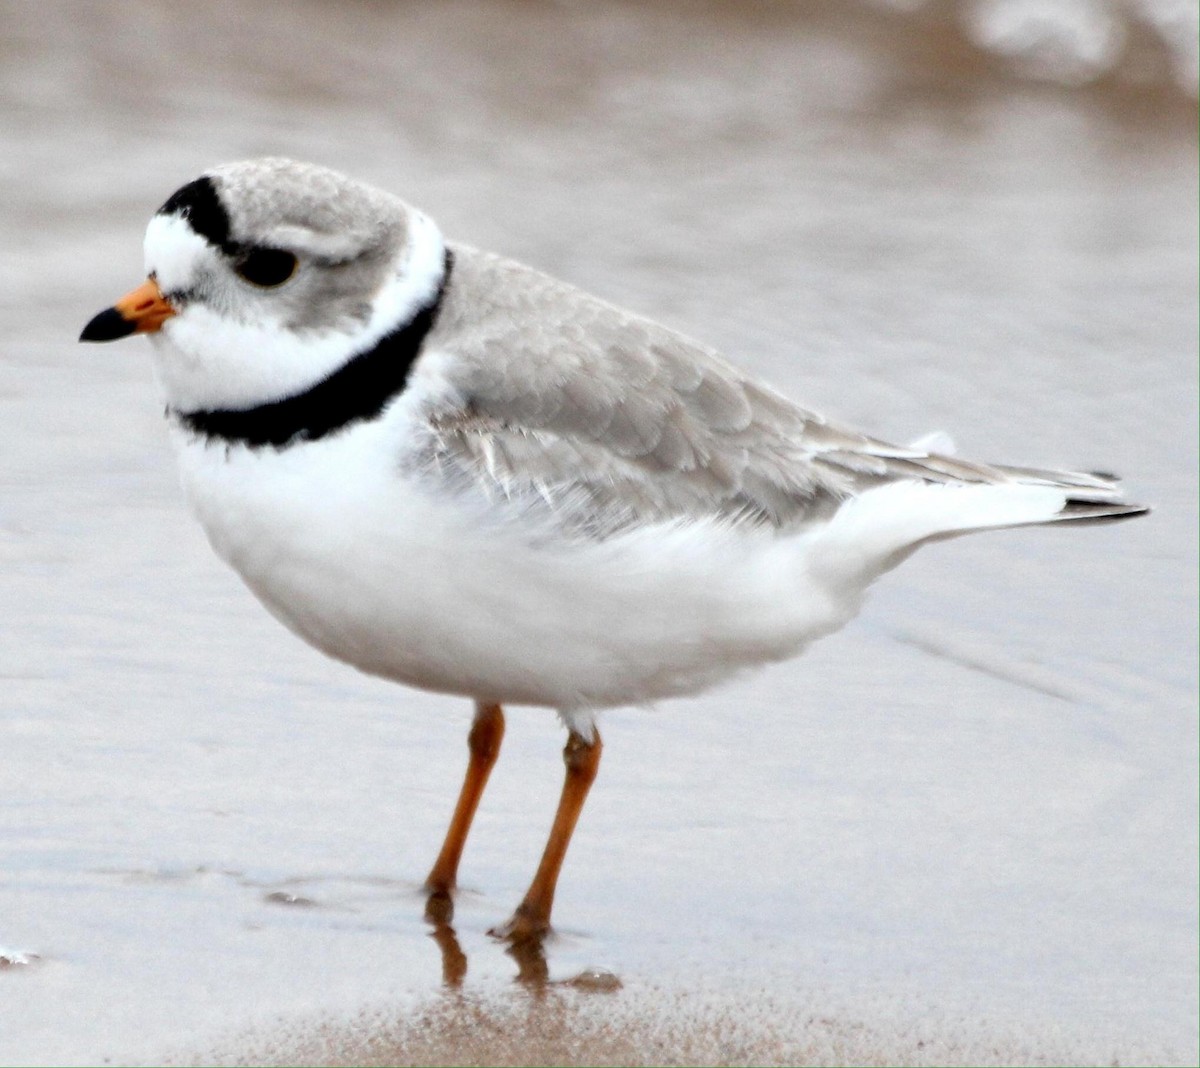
{"x":611,"y":420}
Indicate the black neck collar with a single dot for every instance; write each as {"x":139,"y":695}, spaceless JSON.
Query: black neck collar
{"x":358,"y":390}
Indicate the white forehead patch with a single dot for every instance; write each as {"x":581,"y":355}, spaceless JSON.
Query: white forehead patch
{"x":172,"y":251}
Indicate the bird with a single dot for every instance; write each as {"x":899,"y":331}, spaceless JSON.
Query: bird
{"x":453,"y":471}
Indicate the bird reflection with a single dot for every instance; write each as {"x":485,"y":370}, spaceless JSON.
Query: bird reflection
{"x":533,"y":972}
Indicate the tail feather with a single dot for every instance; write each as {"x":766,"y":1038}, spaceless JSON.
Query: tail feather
{"x":870,"y":463}
{"x":1091,"y":496}
{"x":904,"y":496}
{"x":1079,"y":511}
{"x":874,"y":531}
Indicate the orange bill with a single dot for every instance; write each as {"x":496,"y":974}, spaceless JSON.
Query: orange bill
{"x":142,"y":311}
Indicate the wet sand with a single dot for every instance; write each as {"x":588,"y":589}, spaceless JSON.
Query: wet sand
{"x":658,"y":1027}
{"x":963,"y":830}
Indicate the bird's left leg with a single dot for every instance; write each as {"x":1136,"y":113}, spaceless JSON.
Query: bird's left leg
{"x":532,"y":918}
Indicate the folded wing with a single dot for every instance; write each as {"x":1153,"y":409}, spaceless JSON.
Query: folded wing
{"x":608,"y":420}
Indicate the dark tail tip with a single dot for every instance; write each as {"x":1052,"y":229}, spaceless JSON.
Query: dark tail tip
{"x":1098,"y":512}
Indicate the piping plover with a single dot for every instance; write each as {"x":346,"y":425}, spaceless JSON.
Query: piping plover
{"x":450,"y":470}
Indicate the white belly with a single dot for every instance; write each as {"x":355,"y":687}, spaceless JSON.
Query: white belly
{"x":457,"y":596}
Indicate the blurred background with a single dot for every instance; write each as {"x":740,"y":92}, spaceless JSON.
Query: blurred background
{"x":963,"y":830}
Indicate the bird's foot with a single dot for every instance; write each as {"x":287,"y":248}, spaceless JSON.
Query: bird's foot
{"x":526,"y":925}
{"x":439,"y":905}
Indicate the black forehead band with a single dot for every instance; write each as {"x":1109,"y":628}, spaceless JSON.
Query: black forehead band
{"x":199,"y":204}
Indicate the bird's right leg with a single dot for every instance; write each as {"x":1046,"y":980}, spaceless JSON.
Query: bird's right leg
{"x":487,"y":731}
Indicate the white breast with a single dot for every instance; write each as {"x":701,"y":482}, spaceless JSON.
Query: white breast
{"x":457,"y":595}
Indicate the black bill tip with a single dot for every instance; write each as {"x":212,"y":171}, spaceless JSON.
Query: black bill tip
{"x":109,"y":325}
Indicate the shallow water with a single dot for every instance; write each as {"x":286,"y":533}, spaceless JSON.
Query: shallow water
{"x":967,"y":823}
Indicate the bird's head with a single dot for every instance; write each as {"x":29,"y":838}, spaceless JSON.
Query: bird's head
{"x":266,"y":276}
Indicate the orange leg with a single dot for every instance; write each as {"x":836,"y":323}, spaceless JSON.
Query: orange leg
{"x":487,"y":731}
{"x":532,"y":918}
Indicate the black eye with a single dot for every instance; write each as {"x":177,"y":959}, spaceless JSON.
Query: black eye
{"x":266,"y":266}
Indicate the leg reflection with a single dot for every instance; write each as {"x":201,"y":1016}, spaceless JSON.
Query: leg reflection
{"x":454,"y":960}
{"x":533,"y":972}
